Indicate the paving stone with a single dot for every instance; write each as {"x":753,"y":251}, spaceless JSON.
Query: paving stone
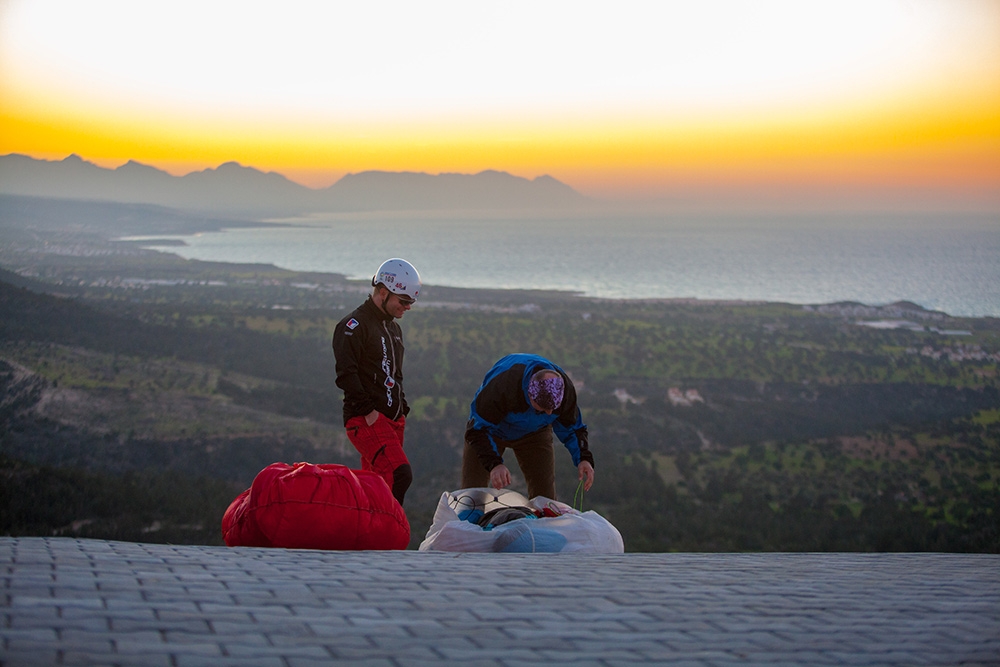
{"x":296,"y":650}
{"x":354,"y":662}
{"x":667,"y":661}
{"x":194,"y":660}
{"x":31,"y":656}
{"x":407,"y":661}
{"x":339,"y":639}
{"x":29,"y":636}
{"x":32,"y":616}
{"x":84,"y":659}
{"x":247,"y":661}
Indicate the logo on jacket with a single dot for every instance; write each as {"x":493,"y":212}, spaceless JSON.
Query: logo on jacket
{"x":352,"y":323}
{"x":386,"y":368}
{"x":389,"y":382}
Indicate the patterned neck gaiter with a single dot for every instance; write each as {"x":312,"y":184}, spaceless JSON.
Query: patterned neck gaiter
{"x":547,"y":393}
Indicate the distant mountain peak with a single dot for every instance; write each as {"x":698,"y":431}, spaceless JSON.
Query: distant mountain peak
{"x":133,"y":166}
{"x":235,"y":169}
{"x":489,"y":189}
{"x":232,"y":165}
{"x":907,"y":305}
{"x":74,"y":160}
{"x":234,"y":188}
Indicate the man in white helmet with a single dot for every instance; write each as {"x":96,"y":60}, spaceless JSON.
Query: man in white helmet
{"x":368,"y":345}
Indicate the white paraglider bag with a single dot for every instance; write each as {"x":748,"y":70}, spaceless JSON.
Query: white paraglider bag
{"x":504,"y":521}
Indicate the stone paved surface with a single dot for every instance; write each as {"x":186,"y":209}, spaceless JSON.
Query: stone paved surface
{"x":90,"y":602}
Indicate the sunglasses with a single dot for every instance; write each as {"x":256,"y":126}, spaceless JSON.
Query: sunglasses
{"x":405,"y":300}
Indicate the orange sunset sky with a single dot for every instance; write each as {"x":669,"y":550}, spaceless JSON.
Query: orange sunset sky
{"x":882,"y":102}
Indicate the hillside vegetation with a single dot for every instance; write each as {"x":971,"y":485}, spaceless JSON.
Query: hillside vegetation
{"x":141,"y":393}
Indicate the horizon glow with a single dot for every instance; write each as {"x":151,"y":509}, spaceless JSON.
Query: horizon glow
{"x":635,"y":101}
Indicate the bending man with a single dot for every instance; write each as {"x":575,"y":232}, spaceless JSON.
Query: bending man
{"x":522,"y":401}
{"x":368,"y":345}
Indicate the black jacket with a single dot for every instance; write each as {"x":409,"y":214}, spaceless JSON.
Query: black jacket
{"x":368,"y":345}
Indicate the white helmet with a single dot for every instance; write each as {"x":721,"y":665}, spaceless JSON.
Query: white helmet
{"x":399,"y":277}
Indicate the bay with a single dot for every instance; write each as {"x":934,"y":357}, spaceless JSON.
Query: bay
{"x":942,"y":262}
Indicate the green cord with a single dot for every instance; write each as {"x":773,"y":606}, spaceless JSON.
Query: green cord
{"x":578,"y":497}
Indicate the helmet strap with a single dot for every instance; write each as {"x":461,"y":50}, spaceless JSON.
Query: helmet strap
{"x":382,"y":299}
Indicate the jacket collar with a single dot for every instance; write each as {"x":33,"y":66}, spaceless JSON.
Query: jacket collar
{"x":369,"y":306}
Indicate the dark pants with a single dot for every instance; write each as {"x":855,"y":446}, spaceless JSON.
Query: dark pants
{"x":534,"y":456}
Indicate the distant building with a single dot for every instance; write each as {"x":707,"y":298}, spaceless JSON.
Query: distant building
{"x":676,"y":397}
{"x":684,"y":398}
{"x":624,"y":397}
{"x":693,"y":396}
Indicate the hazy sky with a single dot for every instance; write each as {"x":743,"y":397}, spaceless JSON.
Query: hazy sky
{"x":876,"y":98}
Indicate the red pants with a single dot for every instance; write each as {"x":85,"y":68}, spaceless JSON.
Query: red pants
{"x":381,"y":447}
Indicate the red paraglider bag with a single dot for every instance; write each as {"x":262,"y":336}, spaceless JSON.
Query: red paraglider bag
{"x":310,"y":506}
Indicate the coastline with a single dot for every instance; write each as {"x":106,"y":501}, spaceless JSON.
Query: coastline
{"x":695,"y":267}
{"x":522,"y":261}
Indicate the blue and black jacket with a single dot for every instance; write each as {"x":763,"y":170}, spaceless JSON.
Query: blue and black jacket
{"x":501,"y":411}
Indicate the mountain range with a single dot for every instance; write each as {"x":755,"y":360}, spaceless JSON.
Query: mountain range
{"x":233,"y":188}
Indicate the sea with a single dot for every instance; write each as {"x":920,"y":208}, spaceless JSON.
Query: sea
{"x":949,"y":263}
